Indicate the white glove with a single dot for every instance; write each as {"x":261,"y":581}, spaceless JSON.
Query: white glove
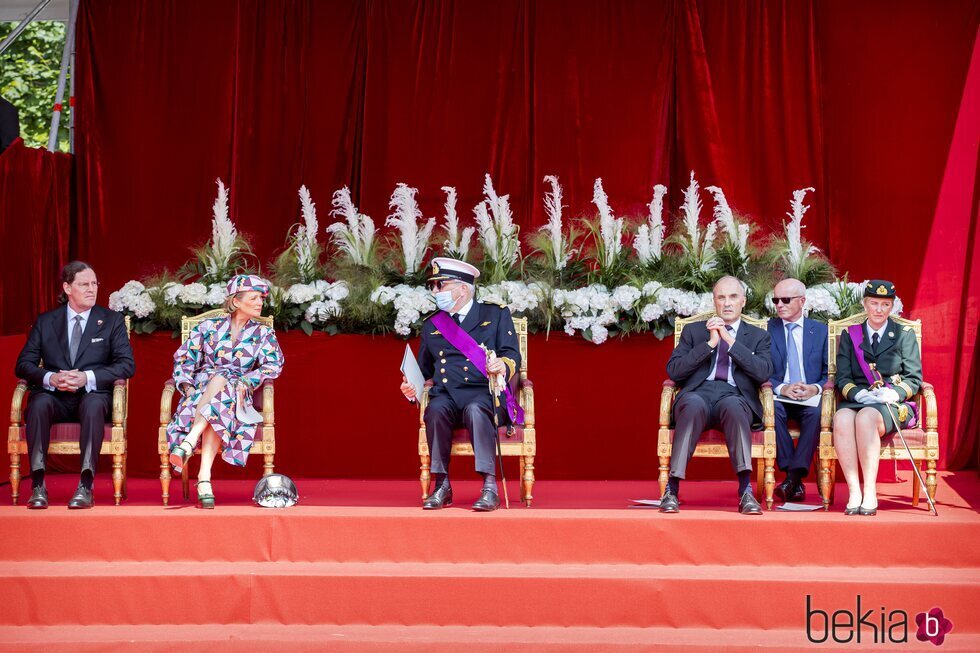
{"x":866,"y":398}
{"x":888,"y":396}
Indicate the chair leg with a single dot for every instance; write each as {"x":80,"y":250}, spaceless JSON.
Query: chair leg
{"x":916,"y":488}
{"x":527,"y":480}
{"x":125,"y":475}
{"x":185,"y":479}
{"x":760,"y":477}
{"x":117,"y":477}
{"x":931,"y":479}
{"x":770,"y":475}
{"x":14,"y":477}
{"x":664,"y":473}
{"x":268,"y":469}
{"x":824,"y":482}
{"x":165,"y":478}
{"x":833,"y":480}
{"x":520,"y":460}
{"x":424,"y":476}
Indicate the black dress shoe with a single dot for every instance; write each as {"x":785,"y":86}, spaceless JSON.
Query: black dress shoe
{"x":784,"y":489}
{"x":669,"y":502}
{"x":797,"y":493}
{"x":81,"y":499}
{"x":39,"y":499}
{"x":747,"y":505}
{"x":441,"y":498}
{"x":488,"y":501}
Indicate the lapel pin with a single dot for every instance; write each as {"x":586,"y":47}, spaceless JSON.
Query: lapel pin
{"x":891,"y":334}
{"x":99,"y":322}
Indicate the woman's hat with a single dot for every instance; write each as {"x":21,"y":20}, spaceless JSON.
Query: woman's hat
{"x":245,"y":282}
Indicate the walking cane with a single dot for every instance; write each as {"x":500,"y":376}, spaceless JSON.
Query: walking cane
{"x":915,"y":468}
{"x":495,"y":393}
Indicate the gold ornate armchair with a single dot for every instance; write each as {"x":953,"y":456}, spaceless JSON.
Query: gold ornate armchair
{"x":65,"y":436}
{"x":263,"y":399}
{"x":923,"y":441}
{"x":712,"y":442}
{"x":519,"y":441}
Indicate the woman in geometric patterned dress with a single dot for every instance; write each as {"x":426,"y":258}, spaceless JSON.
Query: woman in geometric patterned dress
{"x":216,"y":370}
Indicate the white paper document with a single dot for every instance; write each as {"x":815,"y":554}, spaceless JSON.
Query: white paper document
{"x":410,"y":368}
{"x":812,"y":401}
{"x":799,"y":507}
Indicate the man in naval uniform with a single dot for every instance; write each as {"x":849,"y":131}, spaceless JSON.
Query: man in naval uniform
{"x":451,"y":355}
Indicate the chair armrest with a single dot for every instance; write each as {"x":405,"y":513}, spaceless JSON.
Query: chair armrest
{"x":527,"y":403}
{"x":931,"y":418}
{"x":768,"y":407}
{"x":17,"y":403}
{"x":119,"y":403}
{"x":166,"y":402}
{"x":666,"y":403}
{"x":828,"y":401}
{"x":268,"y":390}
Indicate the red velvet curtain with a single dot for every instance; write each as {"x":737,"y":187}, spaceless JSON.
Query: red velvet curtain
{"x":34,"y":232}
{"x":863,"y":101}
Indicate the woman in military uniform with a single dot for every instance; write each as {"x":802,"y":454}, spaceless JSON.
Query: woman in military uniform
{"x":878,"y":372}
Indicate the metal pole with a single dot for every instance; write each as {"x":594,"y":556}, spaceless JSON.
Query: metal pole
{"x":71,"y":91}
{"x":915,"y":468}
{"x":62,"y":76}
{"x":22,"y":25}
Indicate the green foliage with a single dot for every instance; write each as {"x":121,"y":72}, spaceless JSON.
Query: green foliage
{"x":29,"y":79}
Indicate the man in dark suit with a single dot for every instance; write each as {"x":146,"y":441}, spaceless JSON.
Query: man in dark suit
{"x":719,"y":366}
{"x":72,"y":358}
{"x":450,"y":354}
{"x":799,"y":360}
{"x":9,"y":124}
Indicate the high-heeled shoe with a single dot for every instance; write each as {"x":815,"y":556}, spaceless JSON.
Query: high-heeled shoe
{"x":179,"y":456}
{"x":868,"y":512}
{"x":205,"y":500}
{"x":853,"y":511}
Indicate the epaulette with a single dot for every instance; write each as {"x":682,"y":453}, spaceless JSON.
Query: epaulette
{"x":908,"y":327}
{"x":495,"y":303}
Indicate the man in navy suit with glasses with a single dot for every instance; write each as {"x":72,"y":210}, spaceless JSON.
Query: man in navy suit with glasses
{"x":799,"y":357}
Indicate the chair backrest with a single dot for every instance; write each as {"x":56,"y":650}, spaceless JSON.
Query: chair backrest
{"x":520,"y":325}
{"x":188,"y":323}
{"x":836,"y":327}
{"x":680,"y":323}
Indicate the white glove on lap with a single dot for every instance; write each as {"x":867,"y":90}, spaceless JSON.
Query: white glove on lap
{"x":865,"y":397}
{"x":888,"y":396}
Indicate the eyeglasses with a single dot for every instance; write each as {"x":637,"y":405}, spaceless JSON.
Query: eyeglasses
{"x":785,"y":300}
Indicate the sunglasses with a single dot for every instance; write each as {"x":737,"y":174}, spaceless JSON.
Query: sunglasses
{"x":785,"y":300}
{"x":440,"y":285}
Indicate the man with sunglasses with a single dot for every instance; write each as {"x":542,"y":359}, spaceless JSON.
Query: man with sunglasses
{"x":799,"y":357}
{"x":451,"y":354}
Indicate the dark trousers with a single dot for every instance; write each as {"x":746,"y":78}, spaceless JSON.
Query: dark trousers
{"x":442,"y":415}
{"x":718,"y":405}
{"x":89,"y":409}
{"x":799,"y":457}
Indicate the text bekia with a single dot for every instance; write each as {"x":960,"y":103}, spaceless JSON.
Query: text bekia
{"x":880,"y":626}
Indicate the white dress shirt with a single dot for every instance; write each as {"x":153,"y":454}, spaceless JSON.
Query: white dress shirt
{"x":731,"y":361}
{"x":463,"y":312}
{"x":880,"y":332}
{"x":89,"y":374}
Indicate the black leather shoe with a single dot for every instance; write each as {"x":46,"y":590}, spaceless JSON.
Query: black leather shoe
{"x":39,"y":499}
{"x":797,"y":493}
{"x":747,"y":505}
{"x":784,"y":489}
{"x":488,"y":501}
{"x":441,"y":498}
{"x":669,"y":502}
{"x":81,"y":499}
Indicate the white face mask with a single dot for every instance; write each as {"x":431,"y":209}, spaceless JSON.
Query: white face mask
{"x":444,"y":300}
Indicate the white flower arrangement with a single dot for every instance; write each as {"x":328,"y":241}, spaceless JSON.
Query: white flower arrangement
{"x":737,"y":233}
{"x":223,"y":233}
{"x":496,"y":231}
{"x":700,"y":248}
{"x":649,"y":241}
{"x":457,"y":244}
{"x":518,"y":296}
{"x":410,"y":303}
{"x":405,"y":218}
{"x":132,"y":298}
{"x":355,"y":235}
{"x":591,"y":310}
{"x":610,"y":228}
{"x":303,"y":242}
{"x":796,"y":252}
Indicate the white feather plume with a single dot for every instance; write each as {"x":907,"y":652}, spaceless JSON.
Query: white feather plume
{"x":307,"y":232}
{"x":457,"y":244}
{"x":794,"y":228}
{"x":224,"y":235}
{"x":649,"y":241}
{"x":610,"y":227}
{"x":692,"y":213}
{"x":553,"y":207}
{"x":355,"y":235}
{"x":738,"y":234}
{"x":503,"y":245}
{"x":415,"y":241}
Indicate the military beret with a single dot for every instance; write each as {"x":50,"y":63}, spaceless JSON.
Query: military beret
{"x":880,"y":289}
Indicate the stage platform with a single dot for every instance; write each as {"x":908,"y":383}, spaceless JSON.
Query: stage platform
{"x":359,"y":566}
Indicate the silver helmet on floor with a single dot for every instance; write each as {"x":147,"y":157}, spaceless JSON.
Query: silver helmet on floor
{"x":275,"y":491}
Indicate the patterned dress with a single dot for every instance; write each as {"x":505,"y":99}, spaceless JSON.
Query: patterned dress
{"x":209,"y":350}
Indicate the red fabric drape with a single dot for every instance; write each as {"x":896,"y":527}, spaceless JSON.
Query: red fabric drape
{"x":860,"y":100}
{"x":34,"y":228}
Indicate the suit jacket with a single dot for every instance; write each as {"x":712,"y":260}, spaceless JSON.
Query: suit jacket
{"x":453,"y":373}
{"x":814,"y":351}
{"x":104,"y":348}
{"x":693,"y":360}
{"x":897,"y":359}
{"x":9,"y":124}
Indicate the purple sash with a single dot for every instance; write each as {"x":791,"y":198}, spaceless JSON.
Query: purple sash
{"x":856,"y":332}
{"x":470,"y":348}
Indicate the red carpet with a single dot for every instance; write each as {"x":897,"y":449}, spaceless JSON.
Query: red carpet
{"x":579,"y":571}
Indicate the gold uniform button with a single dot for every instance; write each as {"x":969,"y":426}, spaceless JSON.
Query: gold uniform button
{"x":445,"y":380}
{"x":466,"y":369}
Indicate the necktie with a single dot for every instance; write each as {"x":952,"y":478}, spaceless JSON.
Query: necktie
{"x":458,"y":317}
{"x":76,"y":338}
{"x":874,"y":344}
{"x":724,"y":360}
{"x":795,"y":374}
